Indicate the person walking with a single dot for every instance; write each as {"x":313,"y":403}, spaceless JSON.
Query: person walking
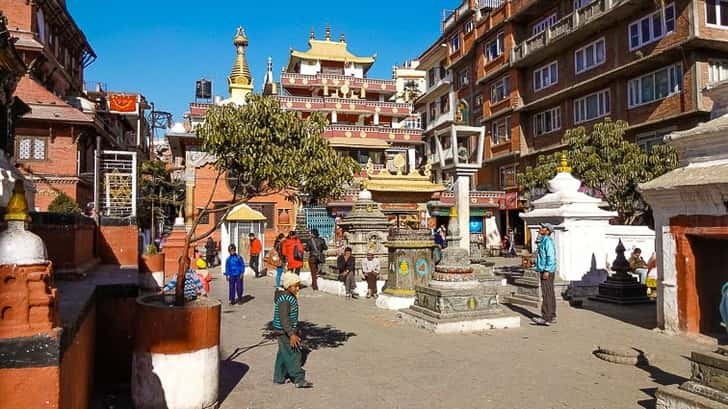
{"x":370,"y":267}
{"x":256,"y":247}
{"x":293,"y":251}
{"x":234,"y":269}
{"x":347,"y":273}
{"x":316,"y":248}
{"x":210,"y":251}
{"x":285,"y":328}
{"x":546,"y":267}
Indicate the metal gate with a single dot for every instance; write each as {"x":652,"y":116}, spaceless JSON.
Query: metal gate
{"x":116,"y":184}
{"x":317,"y":217}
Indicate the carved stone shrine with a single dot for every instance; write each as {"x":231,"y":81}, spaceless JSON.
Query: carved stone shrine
{"x":621,"y":287}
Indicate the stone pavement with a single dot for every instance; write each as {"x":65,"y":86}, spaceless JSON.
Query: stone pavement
{"x":363,"y":357}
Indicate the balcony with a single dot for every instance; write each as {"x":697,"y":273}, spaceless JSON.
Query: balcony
{"x":344,"y":105}
{"x":291,"y":80}
{"x":588,"y":20}
{"x":401,"y":135}
{"x":449,"y":21}
{"x":440,"y":120}
{"x":441,"y":85}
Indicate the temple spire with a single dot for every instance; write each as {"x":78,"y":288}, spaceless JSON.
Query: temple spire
{"x":563,"y":165}
{"x":240,"y":82}
{"x":327,"y":36}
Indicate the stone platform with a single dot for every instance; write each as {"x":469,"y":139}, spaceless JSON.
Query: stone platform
{"x":336,"y":287}
{"x":706,"y":389}
{"x":499,"y":320}
{"x":392,"y":302}
{"x":526,"y":289}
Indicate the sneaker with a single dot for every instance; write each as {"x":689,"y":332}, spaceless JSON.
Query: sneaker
{"x":554,"y":321}
{"x":355,"y":296}
{"x":304,"y":385}
{"x":540,"y":321}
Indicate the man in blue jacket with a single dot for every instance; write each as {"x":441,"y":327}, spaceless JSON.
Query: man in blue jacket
{"x":546,"y":267}
{"x":234,"y":269}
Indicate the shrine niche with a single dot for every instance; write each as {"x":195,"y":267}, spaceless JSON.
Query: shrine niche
{"x":462,"y":113}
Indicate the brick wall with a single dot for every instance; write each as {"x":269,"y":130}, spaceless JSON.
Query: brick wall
{"x":77,"y":364}
{"x":70,"y":246}
{"x":23,"y":388}
{"x":19,"y":14}
{"x":119,"y":245}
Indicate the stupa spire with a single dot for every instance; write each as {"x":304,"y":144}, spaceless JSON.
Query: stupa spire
{"x":563,"y":165}
{"x":240,"y":73}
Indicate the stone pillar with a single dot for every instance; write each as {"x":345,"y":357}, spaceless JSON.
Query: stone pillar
{"x":334,"y":117}
{"x":462,"y":203}
{"x":174,"y":248}
{"x":410,"y":261}
{"x":376,"y":118}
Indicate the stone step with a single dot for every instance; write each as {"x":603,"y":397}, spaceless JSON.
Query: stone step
{"x":672,"y":397}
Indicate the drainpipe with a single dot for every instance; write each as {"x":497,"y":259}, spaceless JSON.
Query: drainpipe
{"x":97,"y":180}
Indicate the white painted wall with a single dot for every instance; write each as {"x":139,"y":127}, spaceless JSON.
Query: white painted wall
{"x":354,"y":70}
{"x":310,"y":67}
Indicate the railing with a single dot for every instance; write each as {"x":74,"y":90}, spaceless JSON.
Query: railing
{"x":449,"y":20}
{"x":370,"y":128}
{"x":564,"y":26}
{"x":490,"y":4}
{"x":330,"y":103}
{"x":334,"y":77}
{"x":493,"y":194}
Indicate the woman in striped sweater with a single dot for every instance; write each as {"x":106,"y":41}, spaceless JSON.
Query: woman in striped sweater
{"x":285,"y":327}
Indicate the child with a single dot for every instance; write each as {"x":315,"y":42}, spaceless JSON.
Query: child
{"x":234,"y":269}
{"x":193,"y":285}
{"x":203,"y":274}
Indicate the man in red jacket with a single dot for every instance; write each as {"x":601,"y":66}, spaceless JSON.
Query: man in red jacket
{"x":291,"y":248}
{"x":256,"y":247}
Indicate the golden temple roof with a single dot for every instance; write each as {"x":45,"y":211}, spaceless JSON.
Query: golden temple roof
{"x":240,"y":73}
{"x":327,"y":50}
{"x":385,"y":181}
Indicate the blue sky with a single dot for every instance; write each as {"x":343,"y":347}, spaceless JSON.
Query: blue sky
{"x":161,"y":47}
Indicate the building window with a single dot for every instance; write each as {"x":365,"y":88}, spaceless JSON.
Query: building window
{"x":431,"y":77}
{"x":31,"y":148}
{"x":455,"y":43}
{"x":433,"y":111}
{"x":547,"y":121}
{"x":469,"y":27}
{"x":546,"y":76}
{"x":590,"y":56}
{"x":717,"y":71}
{"x":500,"y":130}
{"x":444,"y":104}
{"x":655,"y":85}
{"x":40,"y":22}
{"x":494,"y":49}
{"x":651,"y":28}
{"x":463,"y":78}
{"x":500,"y":90}
{"x":648,"y":140}
{"x":592,"y":106}
{"x":581,"y":3}
{"x":507,"y":176}
{"x":716,"y":12}
{"x":478,"y":100}
{"x":542,"y":25}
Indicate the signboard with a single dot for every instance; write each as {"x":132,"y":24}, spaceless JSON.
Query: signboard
{"x":125,"y":104}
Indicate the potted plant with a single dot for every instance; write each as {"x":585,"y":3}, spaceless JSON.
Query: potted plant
{"x":258,"y":148}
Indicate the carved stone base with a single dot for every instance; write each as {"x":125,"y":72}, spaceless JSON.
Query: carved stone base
{"x":619,"y":289}
{"x":458,"y":325}
{"x":707,"y":387}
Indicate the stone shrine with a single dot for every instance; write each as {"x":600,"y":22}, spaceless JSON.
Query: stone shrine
{"x":621,"y":287}
{"x":707,"y":387}
{"x":454,"y":301}
{"x":365,"y":230}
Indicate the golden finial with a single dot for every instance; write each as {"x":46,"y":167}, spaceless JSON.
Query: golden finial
{"x":17,"y":206}
{"x":312,"y":35}
{"x":327,"y":36}
{"x":454,"y":211}
{"x":342,"y":38}
{"x":564,"y":165}
{"x":240,"y":73}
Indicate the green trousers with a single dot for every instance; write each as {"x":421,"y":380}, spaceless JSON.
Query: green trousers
{"x":288,"y":363}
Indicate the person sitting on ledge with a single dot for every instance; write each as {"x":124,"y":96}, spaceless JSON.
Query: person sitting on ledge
{"x":285,"y":327}
{"x":193,"y":285}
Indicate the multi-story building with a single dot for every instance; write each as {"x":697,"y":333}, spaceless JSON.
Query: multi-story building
{"x":369,"y":119}
{"x":528,"y":70}
{"x":57,"y":139}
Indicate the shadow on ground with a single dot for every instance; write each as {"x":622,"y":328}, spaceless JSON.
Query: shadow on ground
{"x":658,"y":376}
{"x":231,"y":373}
{"x":639,"y":315}
{"x":315,"y":336}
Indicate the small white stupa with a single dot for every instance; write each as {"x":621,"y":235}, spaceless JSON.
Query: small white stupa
{"x":581,"y":227}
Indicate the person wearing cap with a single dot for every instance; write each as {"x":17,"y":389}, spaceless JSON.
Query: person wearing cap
{"x":370,"y":267}
{"x":546,"y":267}
{"x":234,"y":269}
{"x":256,"y":247}
{"x":285,"y":327}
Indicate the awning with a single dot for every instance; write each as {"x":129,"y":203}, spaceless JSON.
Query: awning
{"x":359,"y":143}
{"x":243,"y":213}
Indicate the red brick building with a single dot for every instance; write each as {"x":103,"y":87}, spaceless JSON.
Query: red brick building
{"x":528,"y":70}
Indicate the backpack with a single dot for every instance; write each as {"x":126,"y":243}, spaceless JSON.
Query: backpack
{"x":297,"y":253}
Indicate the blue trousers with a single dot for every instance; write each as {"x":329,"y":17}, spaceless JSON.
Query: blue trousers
{"x":279,"y":273}
{"x":235,"y":283}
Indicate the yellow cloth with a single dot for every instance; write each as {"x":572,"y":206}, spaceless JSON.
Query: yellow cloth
{"x":200,"y":263}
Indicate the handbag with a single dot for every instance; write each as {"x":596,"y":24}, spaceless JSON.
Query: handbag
{"x":297,"y":254}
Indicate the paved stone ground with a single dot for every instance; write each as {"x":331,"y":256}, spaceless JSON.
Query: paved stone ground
{"x":364,"y":357}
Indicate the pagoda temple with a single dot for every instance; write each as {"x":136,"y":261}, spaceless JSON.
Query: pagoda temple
{"x":369,"y":118}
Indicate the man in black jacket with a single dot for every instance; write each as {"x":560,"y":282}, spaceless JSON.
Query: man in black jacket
{"x":347,"y":272}
{"x":316,"y":248}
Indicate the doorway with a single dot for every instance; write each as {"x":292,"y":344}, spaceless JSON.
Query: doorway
{"x":711,"y":259}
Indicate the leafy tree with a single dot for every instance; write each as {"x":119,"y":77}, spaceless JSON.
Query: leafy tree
{"x":607,"y":163}
{"x":159,"y":195}
{"x":63,"y":204}
{"x":262,"y":150}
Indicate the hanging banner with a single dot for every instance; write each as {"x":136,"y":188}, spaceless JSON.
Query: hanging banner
{"x":120,"y":103}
